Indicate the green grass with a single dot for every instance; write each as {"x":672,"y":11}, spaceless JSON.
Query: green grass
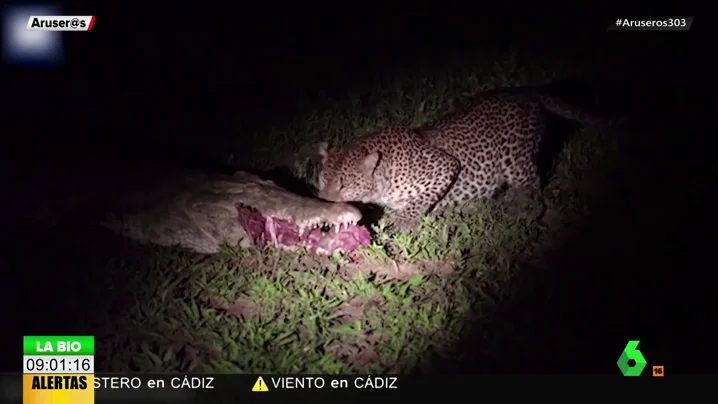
{"x":399,"y":310}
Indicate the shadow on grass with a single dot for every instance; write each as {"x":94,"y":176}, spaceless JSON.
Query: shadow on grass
{"x":614,"y":275}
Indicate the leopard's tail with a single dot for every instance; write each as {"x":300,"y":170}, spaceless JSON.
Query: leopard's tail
{"x":573,"y":112}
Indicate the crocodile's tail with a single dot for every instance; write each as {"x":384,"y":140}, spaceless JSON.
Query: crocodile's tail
{"x":55,"y":213}
{"x":113,"y":222}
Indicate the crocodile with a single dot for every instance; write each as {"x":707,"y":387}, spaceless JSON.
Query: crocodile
{"x":202,"y":211}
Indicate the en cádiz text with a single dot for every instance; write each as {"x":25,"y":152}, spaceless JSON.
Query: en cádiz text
{"x":175,"y":382}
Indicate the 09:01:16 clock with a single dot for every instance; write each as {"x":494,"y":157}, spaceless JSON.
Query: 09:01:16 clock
{"x":39,"y":364}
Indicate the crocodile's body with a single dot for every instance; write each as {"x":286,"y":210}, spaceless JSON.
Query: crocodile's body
{"x":201,"y":212}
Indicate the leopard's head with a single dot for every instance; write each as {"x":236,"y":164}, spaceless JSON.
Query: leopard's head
{"x":348,"y":174}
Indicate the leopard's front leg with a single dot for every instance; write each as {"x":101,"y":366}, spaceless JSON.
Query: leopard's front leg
{"x":424,"y":196}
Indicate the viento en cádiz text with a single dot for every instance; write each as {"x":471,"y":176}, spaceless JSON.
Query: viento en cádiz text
{"x":674,"y":23}
{"x":336,"y":382}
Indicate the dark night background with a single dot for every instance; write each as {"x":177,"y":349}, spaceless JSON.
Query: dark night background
{"x":158,"y":84}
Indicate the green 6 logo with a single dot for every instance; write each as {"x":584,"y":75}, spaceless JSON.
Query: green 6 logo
{"x":630,"y":352}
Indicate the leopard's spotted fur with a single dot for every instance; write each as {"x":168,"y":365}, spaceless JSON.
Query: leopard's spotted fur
{"x":469,"y":153}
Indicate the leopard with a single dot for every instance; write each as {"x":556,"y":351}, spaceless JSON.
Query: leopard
{"x":490,"y":143}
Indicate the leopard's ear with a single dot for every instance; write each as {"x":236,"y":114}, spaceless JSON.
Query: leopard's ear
{"x":323,"y":149}
{"x":371,"y":162}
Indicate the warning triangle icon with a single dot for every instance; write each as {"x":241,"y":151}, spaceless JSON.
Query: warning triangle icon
{"x":260,"y":385}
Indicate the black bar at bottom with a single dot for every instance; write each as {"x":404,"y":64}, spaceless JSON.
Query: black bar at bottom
{"x":219,"y":389}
